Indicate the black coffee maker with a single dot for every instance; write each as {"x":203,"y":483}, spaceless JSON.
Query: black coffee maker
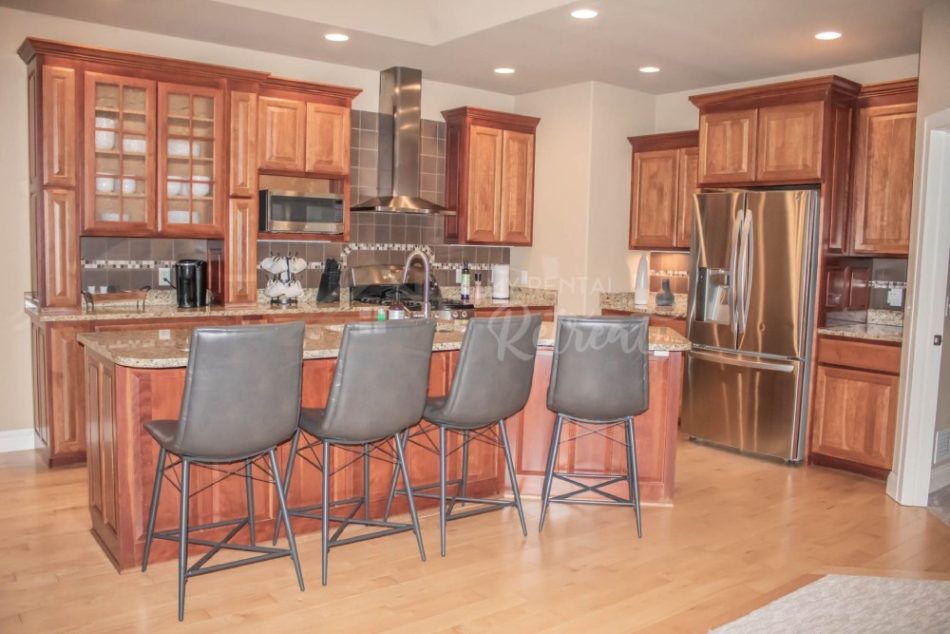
{"x":191,"y":283}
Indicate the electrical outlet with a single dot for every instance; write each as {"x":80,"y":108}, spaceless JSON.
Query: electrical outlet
{"x":164,"y":276}
{"x":895,"y":297}
{"x":458,"y":276}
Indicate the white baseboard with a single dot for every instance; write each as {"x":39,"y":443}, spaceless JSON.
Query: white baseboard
{"x":940,"y":476}
{"x":17,"y":440}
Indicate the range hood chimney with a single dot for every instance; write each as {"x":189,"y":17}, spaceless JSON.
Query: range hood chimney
{"x":400,"y":115}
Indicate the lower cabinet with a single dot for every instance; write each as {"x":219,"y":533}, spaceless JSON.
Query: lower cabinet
{"x":854,"y":412}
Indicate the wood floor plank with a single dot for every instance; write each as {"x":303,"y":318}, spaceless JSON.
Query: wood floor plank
{"x":742,"y":532}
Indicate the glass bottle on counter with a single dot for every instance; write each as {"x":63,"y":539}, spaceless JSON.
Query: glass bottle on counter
{"x":466,"y":290}
{"x":478,"y":286}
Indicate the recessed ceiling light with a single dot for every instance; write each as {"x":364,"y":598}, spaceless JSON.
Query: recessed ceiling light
{"x":649,"y":69}
{"x":827,"y":35}
{"x":337,"y":37}
{"x":583,"y":14}
{"x":504,"y":70}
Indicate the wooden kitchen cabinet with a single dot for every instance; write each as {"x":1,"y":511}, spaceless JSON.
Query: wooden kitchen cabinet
{"x":191,"y":164}
{"x":789,"y":143}
{"x":663,"y":181}
{"x":854,"y":411}
{"x":489,"y":176}
{"x":328,"y":139}
{"x":727,"y":142}
{"x":282,"y":124}
{"x":300,"y":135}
{"x":778,"y":134}
{"x":883,"y":168}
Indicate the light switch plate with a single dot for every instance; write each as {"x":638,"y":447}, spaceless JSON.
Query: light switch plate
{"x":895,"y":297}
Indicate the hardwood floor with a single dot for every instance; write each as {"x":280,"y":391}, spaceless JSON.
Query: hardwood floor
{"x":742,"y":533}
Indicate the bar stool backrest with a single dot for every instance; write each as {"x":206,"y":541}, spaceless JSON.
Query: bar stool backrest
{"x":242,"y":390}
{"x":493,"y":377}
{"x":600,"y":369}
{"x":381,"y":379}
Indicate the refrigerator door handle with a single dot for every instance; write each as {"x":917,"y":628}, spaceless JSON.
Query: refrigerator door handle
{"x":748,"y":252}
{"x":734,"y":276}
{"x":775,"y":366}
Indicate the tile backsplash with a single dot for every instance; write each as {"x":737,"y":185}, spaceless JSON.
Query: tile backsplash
{"x":672,"y":266}
{"x":375,"y":238}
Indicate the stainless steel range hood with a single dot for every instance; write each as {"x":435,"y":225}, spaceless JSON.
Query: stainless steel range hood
{"x":400,"y":116}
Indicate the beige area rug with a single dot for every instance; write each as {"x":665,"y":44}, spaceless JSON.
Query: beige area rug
{"x":939,"y":504}
{"x":841,"y":603}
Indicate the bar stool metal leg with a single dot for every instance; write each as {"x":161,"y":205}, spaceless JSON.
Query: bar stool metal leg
{"x":183,"y":537}
{"x":512,"y":475}
{"x":463,"y":488}
{"x":632,"y":476}
{"x":400,"y":452}
{"x":282,"y":502}
{"x":549,"y":470}
{"x":153,"y":509}
{"x":393,"y":483}
{"x":325,"y":510}
{"x":249,"y":491}
{"x":366,"y":481}
{"x":442,"y":508}
{"x":290,"y":469}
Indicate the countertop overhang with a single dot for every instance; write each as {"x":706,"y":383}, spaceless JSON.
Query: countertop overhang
{"x":168,"y":348}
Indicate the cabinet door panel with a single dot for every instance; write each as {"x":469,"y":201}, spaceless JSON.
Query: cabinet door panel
{"x":789,"y":143}
{"x":191,"y":163}
{"x":119,"y":156}
{"x":484,"y":182}
{"x":243,"y":154}
{"x":60,"y":121}
{"x":40,"y":384}
{"x":654,"y":198}
{"x":727,"y":147}
{"x":67,"y":402}
{"x":240,"y":284}
{"x":855,"y":415}
{"x":328,"y":139}
{"x":687,"y":188}
{"x":281,"y":129}
{"x":517,"y":201}
{"x":883,"y":179}
{"x":60,"y":264}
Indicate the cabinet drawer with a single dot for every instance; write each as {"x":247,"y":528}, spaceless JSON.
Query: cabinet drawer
{"x":859,"y":354}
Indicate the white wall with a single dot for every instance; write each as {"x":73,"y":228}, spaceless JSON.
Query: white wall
{"x":617,"y":113}
{"x":558,"y":257}
{"x":15,"y":383}
{"x":582,"y":190}
{"x":675,"y":112}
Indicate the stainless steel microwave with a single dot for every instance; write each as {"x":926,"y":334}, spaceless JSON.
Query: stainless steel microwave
{"x":296,"y":212}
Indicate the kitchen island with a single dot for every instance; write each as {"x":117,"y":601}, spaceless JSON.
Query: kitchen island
{"x":132,"y":377}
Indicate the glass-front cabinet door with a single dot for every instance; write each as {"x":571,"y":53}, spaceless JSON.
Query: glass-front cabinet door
{"x":120,"y":155}
{"x":190,"y":158}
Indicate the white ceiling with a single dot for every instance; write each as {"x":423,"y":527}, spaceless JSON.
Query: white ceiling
{"x":696,"y":43}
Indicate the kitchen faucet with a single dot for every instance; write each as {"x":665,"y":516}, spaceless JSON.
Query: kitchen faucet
{"x":425,"y":284}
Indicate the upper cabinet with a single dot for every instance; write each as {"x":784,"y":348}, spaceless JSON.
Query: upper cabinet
{"x":304,"y":128}
{"x":489,"y":176}
{"x":663,"y":181}
{"x":131,"y":145}
{"x":771,"y":135}
{"x":883,"y":168}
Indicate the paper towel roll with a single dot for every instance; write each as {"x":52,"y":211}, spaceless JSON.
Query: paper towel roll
{"x":499,"y":281}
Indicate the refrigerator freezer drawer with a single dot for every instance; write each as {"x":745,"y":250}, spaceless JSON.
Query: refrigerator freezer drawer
{"x":745,"y":402}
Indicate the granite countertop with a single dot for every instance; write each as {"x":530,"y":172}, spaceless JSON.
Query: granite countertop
{"x":526,"y":297}
{"x":872,"y":332}
{"x":169,"y":348}
{"x":624,"y":301}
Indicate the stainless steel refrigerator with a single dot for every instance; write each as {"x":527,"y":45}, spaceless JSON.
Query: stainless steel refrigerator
{"x":751,"y":304}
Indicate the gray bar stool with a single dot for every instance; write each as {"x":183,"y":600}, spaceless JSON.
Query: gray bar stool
{"x":600,"y":376}
{"x":379,"y":389}
{"x":242,"y":399}
{"x":492,"y":382}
